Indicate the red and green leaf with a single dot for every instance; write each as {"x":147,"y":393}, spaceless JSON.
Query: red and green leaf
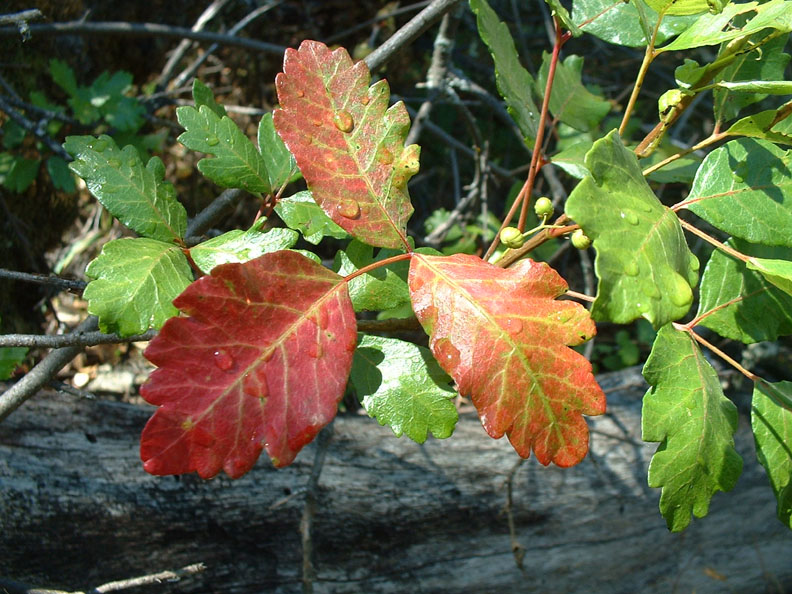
{"x":503,"y":337}
{"x":261,"y":363}
{"x":348,"y":144}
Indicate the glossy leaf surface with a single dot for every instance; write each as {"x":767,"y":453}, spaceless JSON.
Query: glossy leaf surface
{"x":135,"y":195}
{"x":280,"y":163}
{"x":402,"y":386}
{"x":513,"y":80}
{"x":744,"y":305}
{"x":644,"y":266}
{"x":680,"y":7}
{"x":301,"y":213}
{"x":744,"y":188}
{"x":778,"y":272}
{"x":504,"y":338}
{"x":772,"y":429}
{"x":240,"y":246}
{"x":261,"y":362}
{"x":135,"y":282}
{"x":685,"y":410}
{"x":348,"y":144}
{"x":763,"y":125}
{"x":382,"y":288}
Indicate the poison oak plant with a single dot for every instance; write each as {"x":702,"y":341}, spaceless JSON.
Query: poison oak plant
{"x":256,"y":353}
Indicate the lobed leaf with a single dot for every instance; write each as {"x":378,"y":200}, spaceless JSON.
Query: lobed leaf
{"x":261,"y":363}
{"x":771,"y":420}
{"x":559,"y":11}
{"x":643,"y":263}
{"x":713,"y":29}
{"x":135,"y":282}
{"x":348,"y":144}
{"x":503,"y":337}
{"x":571,"y":102}
{"x":236,"y":162}
{"x":379,"y":289}
{"x":778,"y":272}
{"x":744,"y":188}
{"x":514,"y":82}
{"x":280,"y":164}
{"x":241,"y":246}
{"x":136,"y":195}
{"x":301,"y":213}
{"x":203,"y":95}
{"x":739,"y":303}
{"x":685,"y":410}
{"x":402,"y":386}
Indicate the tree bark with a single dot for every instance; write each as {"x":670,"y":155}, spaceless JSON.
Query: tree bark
{"x":77,"y":510}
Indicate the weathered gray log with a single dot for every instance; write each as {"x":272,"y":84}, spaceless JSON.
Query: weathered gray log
{"x":77,"y":510}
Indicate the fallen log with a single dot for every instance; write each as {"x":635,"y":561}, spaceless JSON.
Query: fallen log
{"x":77,"y":510}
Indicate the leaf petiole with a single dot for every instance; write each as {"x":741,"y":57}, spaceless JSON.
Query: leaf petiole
{"x":375,"y":265}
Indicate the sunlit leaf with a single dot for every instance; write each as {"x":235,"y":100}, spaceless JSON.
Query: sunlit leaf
{"x":280,"y":163}
{"x":260,"y":363}
{"x":504,"y":338}
{"x":402,"y":386}
{"x":685,"y":410}
{"x":301,"y":213}
{"x":778,"y":272}
{"x":348,"y":144}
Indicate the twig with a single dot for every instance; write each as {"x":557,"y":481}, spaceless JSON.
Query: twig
{"x":37,"y":130}
{"x":373,"y":21}
{"x":404,"y":36}
{"x":17,"y":18}
{"x":154,"y":578}
{"x":207,"y":217}
{"x":57,"y":341}
{"x":63,"y":284}
{"x":188,"y":72}
{"x":207,"y":15}
{"x":518,"y":550}
{"x":16,"y":395}
{"x":311,"y":497}
{"x":146,"y":29}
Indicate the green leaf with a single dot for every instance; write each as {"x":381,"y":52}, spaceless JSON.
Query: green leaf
{"x":13,"y":134}
{"x":135,"y":282}
{"x":514,"y":82}
{"x":778,"y":272}
{"x":769,"y":87}
{"x":203,"y":95}
{"x":280,"y":163}
{"x":764,"y":125}
{"x":557,"y":9}
{"x":620,"y":22}
{"x":681,"y":171}
{"x":571,"y":102}
{"x":744,"y":188}
{"x":301,"y":213}
{"x":382,"y":288}
{"x":682,"y":7}
{"x":17,"y":173}
{"x":63,"y":76}
{"x":10,"y":357}
{"x":137,"y":196}
{"x":772,"y":429}
{"x":643,"y":263}
{"x":712,"y":29}
{"x":744,"y":305}
{"x":573,"y":159}
{"x":60,"y":174}
{"x":685,"y":410}
{"x":402,"y":386}
{"x":237,"y":163}
{"x":241,"y":246}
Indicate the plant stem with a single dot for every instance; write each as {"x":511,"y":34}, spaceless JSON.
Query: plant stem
{"x":556,"y":230}
{"x":375,"y":265}
{"x":751,"y":376}
{"x":581,"y":296}
{"x":697,"y":320}
{"x":711,"y":240}
{"x":713,"y":138}
{"x":649,"y":55}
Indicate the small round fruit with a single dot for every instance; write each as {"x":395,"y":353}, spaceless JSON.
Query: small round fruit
{"x":580,"y":240}
{"x":543,"y":207}
{"x":512,"y":237}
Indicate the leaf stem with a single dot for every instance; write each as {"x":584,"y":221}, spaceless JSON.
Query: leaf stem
{"x":711,"y":240}
{"x":699,"y":339}
{"x":581,"y":296}
{"x":375,"y":265}
{"x":711,"y":139}
{"x":649,"y":56}
{"x":558,"y":228}
{"x":697,"y":320}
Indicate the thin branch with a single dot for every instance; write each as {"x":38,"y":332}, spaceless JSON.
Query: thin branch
{"x":311,"y":497}
{"x":711,"y":240}
{"x":57,"y":341}
{"x":212,"y":213}
{"x":146,"y":30}
{"x":17,"y":18}
{"x":32,"y":382}
{"x":404,"y":36}
{"x":62,"y":284}
{"x":154,"y":578}
{"x":373,"y":21}
{"x":701,"y":340}
{"x":37,"y":130}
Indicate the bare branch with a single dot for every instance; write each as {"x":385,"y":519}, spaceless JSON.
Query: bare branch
{"x":63,"y":284}
{"x":37,"y":130}
{"x":57,"y":341}
{"x":18,"y":18}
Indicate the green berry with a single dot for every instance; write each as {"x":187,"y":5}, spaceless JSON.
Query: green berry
{"x":512,"y":237}
{"x":580,"y":240}
{"x":543,"y":207}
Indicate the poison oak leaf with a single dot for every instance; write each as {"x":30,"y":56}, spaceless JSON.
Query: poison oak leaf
{"x":503,"y":337}
{"x":261,"y":362}
{"x":348,"y":144}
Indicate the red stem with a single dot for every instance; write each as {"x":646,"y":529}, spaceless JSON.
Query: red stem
{"x":375,"y":265}
{"x":702,"y":341}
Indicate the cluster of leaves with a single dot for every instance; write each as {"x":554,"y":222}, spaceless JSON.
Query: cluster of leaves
{"x":268,"y":337}
{"x":103,"y":105}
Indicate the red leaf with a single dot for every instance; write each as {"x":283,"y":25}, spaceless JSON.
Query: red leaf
{"x":348,"y":144}
{"x":503,"y":337}
{"x":262,"y":362}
